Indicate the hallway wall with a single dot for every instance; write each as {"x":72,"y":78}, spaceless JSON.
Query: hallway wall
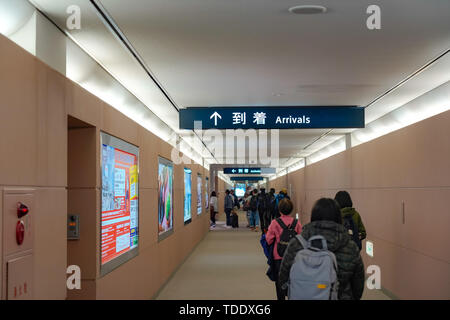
{"x":35,"y":102}
{"x":409,"y":166}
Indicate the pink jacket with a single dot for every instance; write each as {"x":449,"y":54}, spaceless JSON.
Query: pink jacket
{"x":275,"y":230}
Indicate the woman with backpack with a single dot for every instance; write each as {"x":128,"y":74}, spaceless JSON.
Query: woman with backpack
{"x":351,"y":218}
{"x":280,"y":231}
{"x":326,"y":221}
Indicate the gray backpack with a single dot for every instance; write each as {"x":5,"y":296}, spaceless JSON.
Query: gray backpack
{"x":313,"y":275}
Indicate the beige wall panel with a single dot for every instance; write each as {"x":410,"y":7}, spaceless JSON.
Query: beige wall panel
{"x":427,"y":221}
{"x":408,"y":274}
{"x":52,"y":117}
{"x":50,"y":249}
{"x":178,"y":209}
{"x":331,"y":173}
{"x":83,"y":159}
{"x":83,"y":105}
{"x":407,"y":157}
{"x":148,"y":159}
{"x":148,"y":218}
{"x":84,"y":252}
{"x":18,"y":115}
{"x":88,"y":291}
{"x":164,"y":150}
{"x":426,"y":218}
{"x":118,"y":125}
{"x":178,"y":178}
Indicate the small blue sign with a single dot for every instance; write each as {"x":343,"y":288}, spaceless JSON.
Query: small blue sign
{"x":318,"y":117}
{"x":242,"y":170}
{"x":246,"y":178}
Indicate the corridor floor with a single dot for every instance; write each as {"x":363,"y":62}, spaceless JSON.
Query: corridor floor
{"x":228,"y":264}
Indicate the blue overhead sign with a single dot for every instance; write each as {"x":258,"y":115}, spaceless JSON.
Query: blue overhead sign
{"x":273,"y":117}
{"x":242,"y":170}
{"x":246,"y":178}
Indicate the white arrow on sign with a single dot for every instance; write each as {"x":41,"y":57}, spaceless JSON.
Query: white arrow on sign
{"x":215,"y":115}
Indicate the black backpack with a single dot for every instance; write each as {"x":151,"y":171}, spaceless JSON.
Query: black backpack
{"x":254,"y":203}
{"x":262,"y":202}
{"x":286,"y":236}
{"x":352,"y":229}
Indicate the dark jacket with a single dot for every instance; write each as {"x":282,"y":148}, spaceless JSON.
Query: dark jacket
{"x":356,"y":219}
{"x":350,"y":266}
{"x":228,"y":202}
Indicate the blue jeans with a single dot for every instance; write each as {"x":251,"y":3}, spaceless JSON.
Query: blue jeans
{"x":254,"y":219}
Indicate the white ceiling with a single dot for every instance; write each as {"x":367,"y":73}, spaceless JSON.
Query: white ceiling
{"x":254,"y":52}
{"x":221,"y":52}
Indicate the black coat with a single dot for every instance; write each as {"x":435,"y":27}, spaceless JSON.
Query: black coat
{"x":350,"y":266}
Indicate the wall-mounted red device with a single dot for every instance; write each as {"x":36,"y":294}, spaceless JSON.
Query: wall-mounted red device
{"x":22,"y":210}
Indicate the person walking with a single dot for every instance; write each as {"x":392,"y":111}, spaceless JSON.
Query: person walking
{"x":351,"y":218}
{"x":246,"y":206}
{"x":235,"y":199}
{"x":326,"y":221}
{"x":276,"y":232}
{"x":228,"y":206}
{"x":254,"y":216}
{"x":271,"y":201}
{"x":213,"y":209}
{"x":262,"y":209}
{"x":280,"y":196}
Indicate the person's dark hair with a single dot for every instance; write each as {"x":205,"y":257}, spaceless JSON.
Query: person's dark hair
{"x":227,"y":191}
{"x":213,"y":194}
{"x":255,"y":191}
{"x":285,"y":206}
{"x":272,"y":190}
{"x":343,"y":199}
{"x":326,"y":209}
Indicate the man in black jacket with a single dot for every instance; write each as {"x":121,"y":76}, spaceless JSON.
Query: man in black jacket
{"x":326,"y":221}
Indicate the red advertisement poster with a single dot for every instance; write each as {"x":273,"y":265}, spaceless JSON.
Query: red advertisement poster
{"x":119,"y":203}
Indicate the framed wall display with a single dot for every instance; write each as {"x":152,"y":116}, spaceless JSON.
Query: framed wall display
{"x":199,"y":194}
{"x":165,"y":198}
{"x":119,"y":232}
{"x":187,"y":195}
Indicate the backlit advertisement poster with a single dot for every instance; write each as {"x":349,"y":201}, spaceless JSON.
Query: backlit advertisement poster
{"x":187,"y":195}
{"x":206,"y":193}
{"x":240,"y":190}
{"x":165,"y":197}
{"x":199,"y":194}
{"x":119,"y":201}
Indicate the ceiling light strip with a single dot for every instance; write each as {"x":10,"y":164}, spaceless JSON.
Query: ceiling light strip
{"x":408,"y":78}
{"x":417,"y":72}
{"x":116,"y":31}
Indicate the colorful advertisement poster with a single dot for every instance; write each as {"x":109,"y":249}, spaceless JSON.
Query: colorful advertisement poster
{"x":119,"y":217}
{"x":199,"y":194}
{"x":187,"y":195}
{"x":165,"y":196}
{"x":206,"y":193}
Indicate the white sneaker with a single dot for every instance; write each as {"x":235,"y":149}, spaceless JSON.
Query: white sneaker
{"x":228,"y":227}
